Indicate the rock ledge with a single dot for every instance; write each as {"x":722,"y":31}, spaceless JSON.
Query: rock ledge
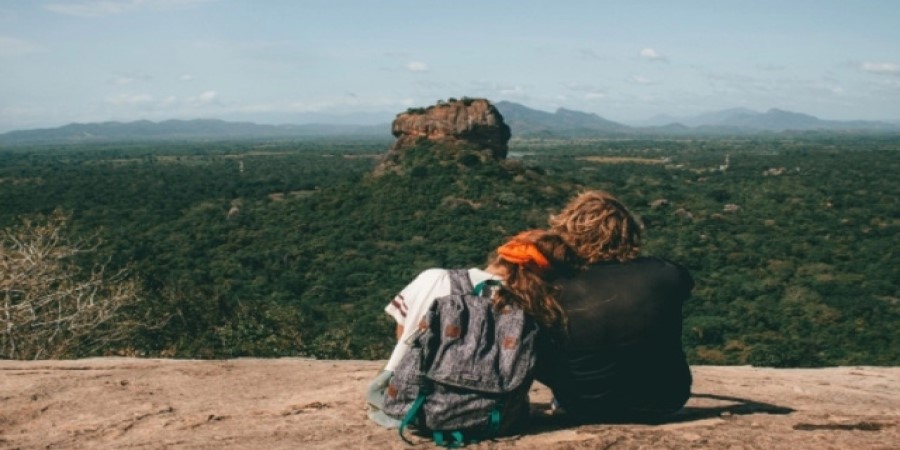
{"x":299,"y":403}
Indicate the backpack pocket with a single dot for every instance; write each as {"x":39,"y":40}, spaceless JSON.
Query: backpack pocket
{"x":404,"y":386}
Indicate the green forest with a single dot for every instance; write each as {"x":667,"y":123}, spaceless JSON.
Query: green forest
{"x":293,"y":248}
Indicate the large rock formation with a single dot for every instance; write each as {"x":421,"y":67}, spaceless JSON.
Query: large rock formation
{"x":454,"y":124}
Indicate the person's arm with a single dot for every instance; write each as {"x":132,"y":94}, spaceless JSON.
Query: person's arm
{"x":410,"y":305}
{"x":398,"y":308}
{"x":412,"y":302}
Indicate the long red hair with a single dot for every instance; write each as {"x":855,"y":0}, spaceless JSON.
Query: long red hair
{"x":533,"y":260}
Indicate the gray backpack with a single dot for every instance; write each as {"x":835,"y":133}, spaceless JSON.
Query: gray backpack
{"x":467,"y":374}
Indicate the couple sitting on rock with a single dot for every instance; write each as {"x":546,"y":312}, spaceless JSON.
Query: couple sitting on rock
{"x":609,"y":339}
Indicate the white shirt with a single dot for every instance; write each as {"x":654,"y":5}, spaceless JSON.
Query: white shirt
{"x":410,"y":305}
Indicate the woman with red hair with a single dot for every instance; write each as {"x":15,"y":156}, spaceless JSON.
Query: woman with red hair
{"x":526,"y":265}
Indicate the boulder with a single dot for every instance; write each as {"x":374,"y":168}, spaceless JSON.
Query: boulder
{"x":448,"y":126}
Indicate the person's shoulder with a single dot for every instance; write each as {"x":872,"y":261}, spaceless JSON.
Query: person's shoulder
{"x":668,"y":269}
{"x":430,"y":275}
{"x":426,"y":279}
{"x":639,"y":263}
{"x":477,"y":275}
{"x":643,"y":266}
{"x":657,"y":262}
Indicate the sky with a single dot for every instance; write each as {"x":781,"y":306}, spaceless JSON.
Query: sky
{"x":362,"y":61}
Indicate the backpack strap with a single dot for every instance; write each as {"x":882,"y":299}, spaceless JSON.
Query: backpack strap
{"x":494,"y":421}
{"x":460,"y":283}
{"x":411,"y":415}
{"x":491,"y":284}
{"x":458,"y":439}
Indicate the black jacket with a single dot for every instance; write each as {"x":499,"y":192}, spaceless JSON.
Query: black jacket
{"x":623,"y":353}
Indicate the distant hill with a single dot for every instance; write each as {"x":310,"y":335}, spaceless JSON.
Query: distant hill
{"x":659,"y":120}
{"x":743,"y":120}
{"x":198,"y":129}
{"x":725,"y":118}
{"x":527,"y":122}
{"x":522,"y":120}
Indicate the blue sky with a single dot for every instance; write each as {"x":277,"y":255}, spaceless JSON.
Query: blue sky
{"x":279,"y":61}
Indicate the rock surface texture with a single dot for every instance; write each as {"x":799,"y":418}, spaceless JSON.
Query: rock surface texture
{"x":309,"y":404}
{"x":472,"y":123}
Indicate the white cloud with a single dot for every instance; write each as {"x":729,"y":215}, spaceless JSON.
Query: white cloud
{"x":12,"y":46}
{"x":122,"y":80}
{"x":640,"y":79}
{"x":102,"y":8}
{"x":585,"y":91}
{"x":514,"y":91}
{"x":205,"y":98}
{"x":130,"y":99}
{"x":653,"y":55}
{"x":881,"y":68}
{"x":826,"y":86}
{"x":337,"y":103}
{"x":417,"y":66}
{"x":331,"y":104}
{"x":579,"y":87}
{"x":186,"y":77}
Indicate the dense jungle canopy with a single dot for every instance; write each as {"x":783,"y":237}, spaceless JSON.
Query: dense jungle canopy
{"x":292,"y":248}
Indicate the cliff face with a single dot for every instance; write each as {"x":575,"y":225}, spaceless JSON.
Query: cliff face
{"x":468,"y":123}
{"x":298,"y":403}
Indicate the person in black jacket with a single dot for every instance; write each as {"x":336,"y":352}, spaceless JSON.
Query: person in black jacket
{"x":622,"y":357}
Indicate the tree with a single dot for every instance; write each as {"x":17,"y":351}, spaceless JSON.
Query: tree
{"x":50,"y":308}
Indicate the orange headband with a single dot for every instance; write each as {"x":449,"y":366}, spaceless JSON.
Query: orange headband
{"x":521,"y":252}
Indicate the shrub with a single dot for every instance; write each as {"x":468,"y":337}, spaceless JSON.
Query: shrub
{"x":48,"y":307}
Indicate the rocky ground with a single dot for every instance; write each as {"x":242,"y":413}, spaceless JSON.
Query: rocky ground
{"x":298,"y":403}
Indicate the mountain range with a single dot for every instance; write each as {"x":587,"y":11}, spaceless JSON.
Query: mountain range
{"x":197,"y":129}
{"x":525,"y":122}
{"x":775,"y":120}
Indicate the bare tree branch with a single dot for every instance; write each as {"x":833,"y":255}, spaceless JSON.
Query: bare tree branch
{"x":49,"y":308}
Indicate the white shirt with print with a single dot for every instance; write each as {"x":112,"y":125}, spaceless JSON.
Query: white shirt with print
{"x":410,"y":305}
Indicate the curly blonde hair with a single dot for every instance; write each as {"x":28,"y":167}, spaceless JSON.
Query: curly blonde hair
{"x":599,"y":228}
